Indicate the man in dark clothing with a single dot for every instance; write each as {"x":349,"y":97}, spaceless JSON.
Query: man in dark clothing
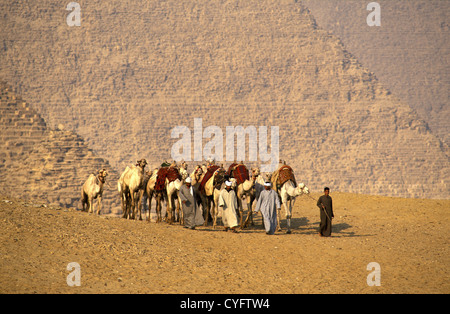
{"x":325,"y":204}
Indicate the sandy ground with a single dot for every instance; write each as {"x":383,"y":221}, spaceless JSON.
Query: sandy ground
{"x":408,"y":238}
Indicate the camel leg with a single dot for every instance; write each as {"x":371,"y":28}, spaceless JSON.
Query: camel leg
{"x":180,"y":213}
{"x":158,"y":207}
{"x":176,"y":208}
{"x":288,"y":216}
{"x":91,"y":205}
{"x":169,"y":211}
{"x":213,"y":213}
{"x":84,"y":201}
{"x":177,"y":202}
{"x":131,"y":211}
{"x":138,"y":205}
{"x":99,"y":205}
{"x":124,"y":204}
{"x":249,"y":214}
{"x":149,"y":198}
{"x":128,"y":206}
{"x":241,"y":212}
{"x":205,"y":204}
{"x":278,"y":220}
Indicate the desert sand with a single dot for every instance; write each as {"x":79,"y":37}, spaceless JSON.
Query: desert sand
{"x":408,"y":238}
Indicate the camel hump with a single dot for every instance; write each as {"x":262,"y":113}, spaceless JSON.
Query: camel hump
{"x":240,"y":173}
{"x":285,"y":173}
{"x":208,"y":175}
{"x":173,"y":174}
{"x":169,"y":173}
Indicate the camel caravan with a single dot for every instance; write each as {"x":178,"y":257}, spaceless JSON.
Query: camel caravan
{"x":138,"y":187}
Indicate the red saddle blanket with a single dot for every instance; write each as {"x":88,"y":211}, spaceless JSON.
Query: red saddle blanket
{"x":164,"y":173}
{"x":285,"y":173}
{"x":209,"y":173}
{"x":239,"y":172}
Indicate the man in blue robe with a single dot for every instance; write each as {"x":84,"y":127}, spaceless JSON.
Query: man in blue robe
{"x":268,"y":203}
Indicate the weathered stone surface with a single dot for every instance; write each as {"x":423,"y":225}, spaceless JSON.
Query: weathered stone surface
{"x":42,"y":164}
{"x":135,"y":70}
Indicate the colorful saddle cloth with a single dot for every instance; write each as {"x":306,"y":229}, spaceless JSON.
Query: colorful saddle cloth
{"x":239,"y":172}
{"x":283,"y":174}
{"x":209,"y":173}
{"x":170,"y":173}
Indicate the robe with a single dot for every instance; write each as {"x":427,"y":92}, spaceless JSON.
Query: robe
{"x":192,"y":213}
{"x":267,"y":204}
{"x":228,"y":202}
{"x":325,"y":215}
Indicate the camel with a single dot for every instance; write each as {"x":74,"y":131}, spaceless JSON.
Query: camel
{"x":196,"y":175}
{"x":167,"y":190}
{"x":172,"y":189}
{"x":252,"y":194}
{"x":210,"y":194}
{"x":129,"y":184}
{"x":244,"y":189}
{"x":147,"y":193}
{"x":93,"y":189}
{"x":285,"y":185}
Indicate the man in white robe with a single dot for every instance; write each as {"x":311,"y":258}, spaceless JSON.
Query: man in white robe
{"x":267,"y":204}
{"x":228,"y":202}
{"x":192,"y":213}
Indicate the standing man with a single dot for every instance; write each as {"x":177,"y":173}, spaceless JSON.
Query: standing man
{"x":192,"y":213}
{"x":228,"y":202}
{"x":268,"y":203}
{"x":325,"y":204}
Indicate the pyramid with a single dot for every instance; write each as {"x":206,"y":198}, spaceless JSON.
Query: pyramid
{"x":409,"y":52}
{"x":134,"y":71}
{"x":42,"y":164}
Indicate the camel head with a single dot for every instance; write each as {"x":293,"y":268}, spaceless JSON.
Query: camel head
{"x":197,"y":173}
{"x":102,"y":174}
{"x":141,"y":163}
{"x":302,"y":188}
{"x":255,"y":172}
{"x":184,"y":174}
{"x":184,"y":165}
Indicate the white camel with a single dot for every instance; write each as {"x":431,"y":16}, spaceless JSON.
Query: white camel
{"x":148,"y":192}
{"x":172,"y":189}
{"x":93,"y":189}
{"x":288,"y":192}
{"x":211,"y":193}
{"x":244,"y":190}
{"x":129,"y":184}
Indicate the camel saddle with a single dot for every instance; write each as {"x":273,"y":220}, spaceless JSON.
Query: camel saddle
{"x":239,"y":172}
{"x":283,"y":174}
{"x":209,"y":173}
{"x":169,"y":173}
